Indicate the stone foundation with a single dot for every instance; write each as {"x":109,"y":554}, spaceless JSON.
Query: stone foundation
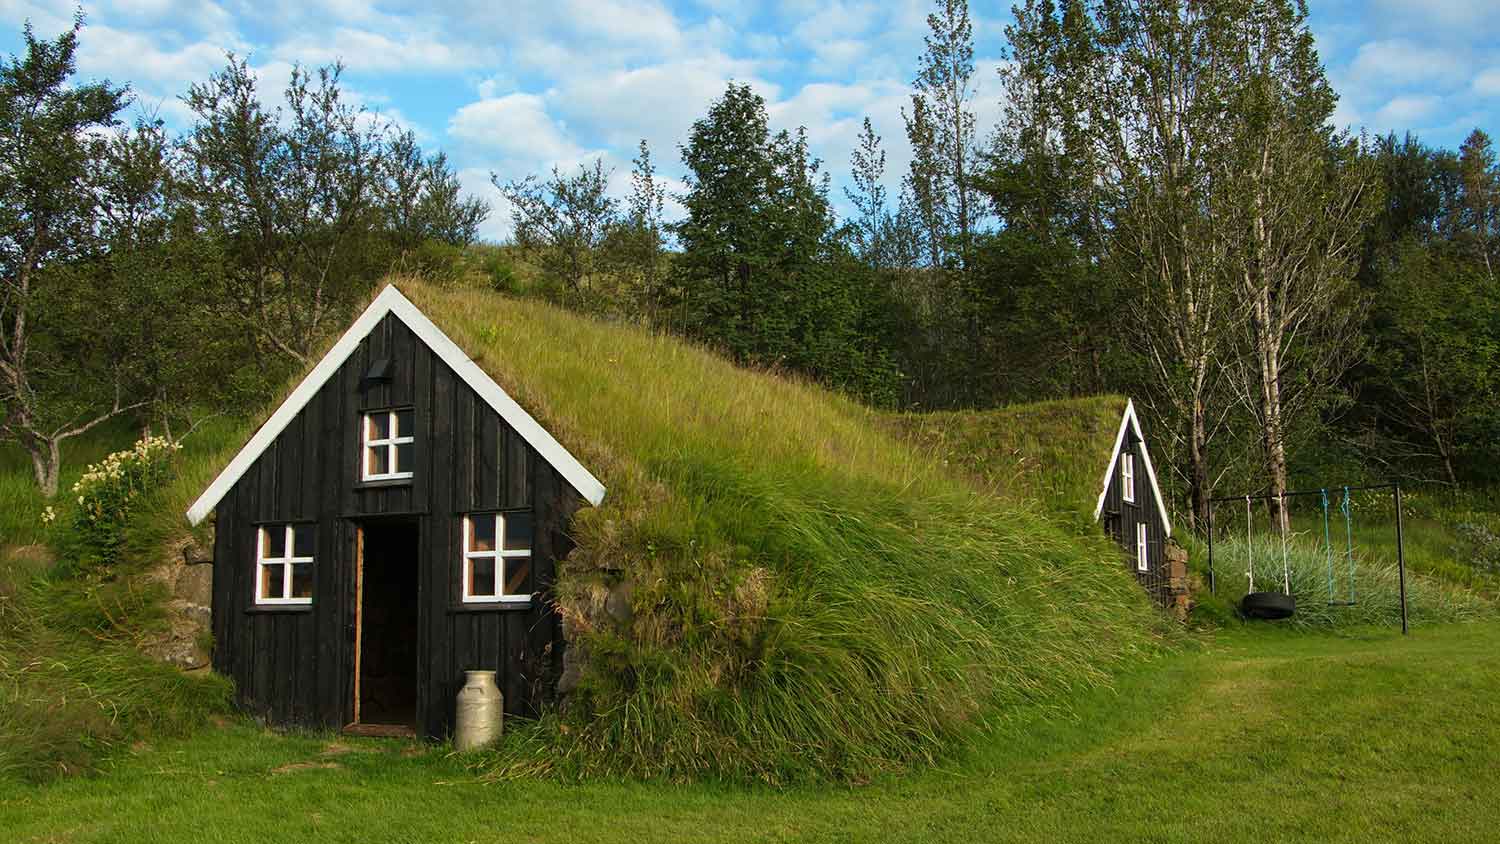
{"x":1179,"y":589}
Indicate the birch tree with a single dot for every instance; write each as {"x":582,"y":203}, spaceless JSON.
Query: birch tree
{"x":1156,"y":123}
{"x":1297,"y":198}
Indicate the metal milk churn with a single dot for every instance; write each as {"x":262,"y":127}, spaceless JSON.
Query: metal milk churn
{"x":481,"y":710}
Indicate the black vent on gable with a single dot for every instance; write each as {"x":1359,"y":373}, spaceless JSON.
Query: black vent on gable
{"x":381,"y":370}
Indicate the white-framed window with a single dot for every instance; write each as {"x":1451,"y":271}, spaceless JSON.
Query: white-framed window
{"x":497,"y":557}
{"x":1127,"y":477}
{"x":389,"y":445}
{"x":1142,"y":558}
{"x":284,"y":564}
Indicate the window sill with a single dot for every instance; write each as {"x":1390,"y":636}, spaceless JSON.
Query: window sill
{"x":492,"y":606}
{"x":273,"y":609}
{"x":383,"y":483}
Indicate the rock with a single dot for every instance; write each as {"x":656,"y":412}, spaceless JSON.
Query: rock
{"x":194,"y":554}
{"x":618,"y":603}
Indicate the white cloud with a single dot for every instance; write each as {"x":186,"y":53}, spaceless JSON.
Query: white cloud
{"x":657,"y":102}
{"x":1403,"y":62}
{"x":515,"y":126}
{"x":152,"y":63}
{"x":1406,"y":110}
{"x":372,"y":52}
{"x":1487,"y":83}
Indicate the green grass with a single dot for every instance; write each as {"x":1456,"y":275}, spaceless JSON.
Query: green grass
{"x":1260,"y":735}
{"x":813,"y":597}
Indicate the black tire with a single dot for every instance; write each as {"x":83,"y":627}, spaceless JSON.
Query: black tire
{"x":1267,"y":605}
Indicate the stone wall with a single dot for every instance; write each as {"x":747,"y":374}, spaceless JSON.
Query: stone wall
{"x":187,"y":572}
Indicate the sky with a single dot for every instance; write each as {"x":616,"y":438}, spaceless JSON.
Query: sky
{"x":514,"y":88}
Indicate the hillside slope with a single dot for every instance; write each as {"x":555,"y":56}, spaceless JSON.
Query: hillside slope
{"x":809,"y":595}
{"x":1050,"y":454}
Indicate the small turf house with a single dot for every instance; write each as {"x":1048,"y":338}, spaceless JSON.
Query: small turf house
{"x":395,"y":522}
{"x":1132,"y":509}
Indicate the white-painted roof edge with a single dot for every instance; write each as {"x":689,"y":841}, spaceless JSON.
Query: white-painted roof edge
{"x":1130,"y":419}
{"x":391,"y":301}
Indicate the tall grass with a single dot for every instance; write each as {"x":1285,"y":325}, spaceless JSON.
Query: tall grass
{"x":75,"y":686}
{"x":812,"y":595}
{"x":1321,"y":584}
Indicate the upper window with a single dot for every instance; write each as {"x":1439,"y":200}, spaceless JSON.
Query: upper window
{"x":284,"y":564}
{"x":1142,"y":561}
{"x":389,"y":443}
{"x":1127,"y":477}
{"x":497,"y":557}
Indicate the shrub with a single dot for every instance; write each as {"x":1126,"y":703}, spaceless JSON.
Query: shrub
{"x":110,"y":490}
{"x":1481,"y":547}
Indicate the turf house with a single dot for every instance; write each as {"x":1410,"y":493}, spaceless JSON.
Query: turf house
{"x":395,"y":522}
{"x":1133,"y":511}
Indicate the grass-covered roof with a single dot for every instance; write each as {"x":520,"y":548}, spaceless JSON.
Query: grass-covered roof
{"x":1052,"y":454}
{"x":813,"y":593}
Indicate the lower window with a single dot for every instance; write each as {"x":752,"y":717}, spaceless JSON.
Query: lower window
{"x":1142,"y":559}
{"x":497,"y":557}
{"x":284,"y":564}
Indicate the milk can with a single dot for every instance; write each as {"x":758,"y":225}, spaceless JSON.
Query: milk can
{"x":481,"y":709}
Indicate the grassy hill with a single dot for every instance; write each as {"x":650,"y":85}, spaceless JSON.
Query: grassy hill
{"x":812,"y":595}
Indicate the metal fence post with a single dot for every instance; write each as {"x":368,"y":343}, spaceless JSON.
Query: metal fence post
{"x":1401,"y":557}
{"x":1213,"y":586}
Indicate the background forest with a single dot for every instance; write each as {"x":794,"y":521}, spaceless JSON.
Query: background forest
{"x":1163,"y":211}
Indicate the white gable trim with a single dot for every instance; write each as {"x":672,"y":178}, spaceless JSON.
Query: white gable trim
{"x":1130,"y":422}
{"x":391,"y":301}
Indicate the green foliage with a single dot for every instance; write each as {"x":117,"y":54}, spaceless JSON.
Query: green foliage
{"x":110,"y":491}
{"x":53,"y":130}
{"x":1481,"y":546}
{"x":760,"y":275}
{"x":1437,"y":358}
{"x":563,"y":223}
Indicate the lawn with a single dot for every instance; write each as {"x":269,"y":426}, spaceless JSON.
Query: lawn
{"x":1255,"y":735}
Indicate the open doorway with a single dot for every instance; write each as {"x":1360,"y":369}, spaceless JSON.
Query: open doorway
{"x":385,"y":689}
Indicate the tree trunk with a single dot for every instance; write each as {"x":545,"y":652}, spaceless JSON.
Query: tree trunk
{"x":1273,"y":441}
{"x":46,"y":464}
{"x":1198,"y":466}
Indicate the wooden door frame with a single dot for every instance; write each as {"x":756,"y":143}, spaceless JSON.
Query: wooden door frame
{"x":359,"y":611}
{"x":416,"y":523}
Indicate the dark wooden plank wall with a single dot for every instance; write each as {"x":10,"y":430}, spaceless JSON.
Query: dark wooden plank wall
{"x":295,"y":665}
{"x":1121,"y":517}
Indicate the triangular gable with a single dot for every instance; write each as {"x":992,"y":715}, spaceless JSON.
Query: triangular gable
{"x":1130,"y":422}
{"x":391,"y":301}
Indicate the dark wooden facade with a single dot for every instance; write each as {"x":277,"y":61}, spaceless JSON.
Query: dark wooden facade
{"x":1120,"y":518}
{"x":295,"y":664}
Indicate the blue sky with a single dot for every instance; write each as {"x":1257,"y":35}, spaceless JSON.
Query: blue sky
{"x":515,"y":87}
